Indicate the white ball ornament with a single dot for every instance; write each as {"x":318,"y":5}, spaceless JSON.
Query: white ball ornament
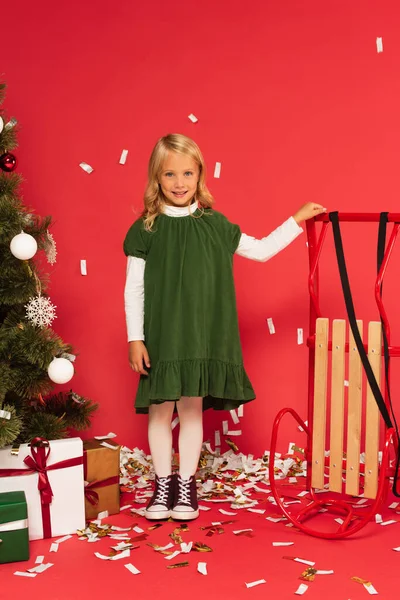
{"x":23,"y":246}
{"x":60,"y":370}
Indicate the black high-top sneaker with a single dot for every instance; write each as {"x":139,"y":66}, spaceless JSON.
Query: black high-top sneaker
{"x":185,"y":506}
{"x":162,"y":500}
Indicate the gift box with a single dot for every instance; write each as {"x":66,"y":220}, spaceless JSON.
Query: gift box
{"x":51,"y":475}
{"x":101,"y":472}
{"x":14,"y":538}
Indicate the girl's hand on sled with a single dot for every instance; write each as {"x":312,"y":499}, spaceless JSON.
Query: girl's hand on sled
{"x":139,"y":357}
{"x":308,"y":211}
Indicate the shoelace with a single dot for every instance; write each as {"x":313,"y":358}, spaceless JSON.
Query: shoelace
{"x":184,"y":491}
{"x":162,"y":491}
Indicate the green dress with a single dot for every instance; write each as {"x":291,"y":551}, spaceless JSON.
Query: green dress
{"x":190,"y":317}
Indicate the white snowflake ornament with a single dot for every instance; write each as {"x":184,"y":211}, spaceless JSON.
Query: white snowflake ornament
{"x":50,"y":248}
{"x":40,"y":311}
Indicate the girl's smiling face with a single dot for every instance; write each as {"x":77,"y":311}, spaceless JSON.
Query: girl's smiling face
{"x":178,"y":179}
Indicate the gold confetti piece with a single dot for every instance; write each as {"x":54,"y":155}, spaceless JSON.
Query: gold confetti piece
{"x":178,"y":565}
{"x":308,"y":574}
{"x":200,"y":547}
{"x":232,"y":445}
{"x":362,"y":581}
{"x":140,"y":538}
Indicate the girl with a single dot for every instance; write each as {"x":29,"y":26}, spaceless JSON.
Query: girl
{"x":181,"y":313}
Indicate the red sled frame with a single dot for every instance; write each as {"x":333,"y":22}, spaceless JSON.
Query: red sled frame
{"x":350,"y":524}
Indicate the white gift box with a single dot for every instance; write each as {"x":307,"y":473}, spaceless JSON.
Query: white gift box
{"x":67,"y":508}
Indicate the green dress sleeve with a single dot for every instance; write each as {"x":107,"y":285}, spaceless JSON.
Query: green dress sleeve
{"x":137,"y":239}
{"x":231,"y":233}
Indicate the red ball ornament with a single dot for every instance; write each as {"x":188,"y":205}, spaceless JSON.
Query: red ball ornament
{"x":8,"y":162}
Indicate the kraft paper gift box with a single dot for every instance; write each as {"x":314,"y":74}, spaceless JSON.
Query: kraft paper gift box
{"x":101,"y":466}
{"x":51,"y":475}
{"x":14,"y":538}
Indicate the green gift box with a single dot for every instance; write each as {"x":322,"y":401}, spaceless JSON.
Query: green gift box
{"x":14,"y":539}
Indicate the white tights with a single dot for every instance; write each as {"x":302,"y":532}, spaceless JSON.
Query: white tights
{"x":190,"y":411}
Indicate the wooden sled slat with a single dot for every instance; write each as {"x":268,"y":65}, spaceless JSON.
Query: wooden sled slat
{"x":372,"y":413}
{"x":337,"y":405}
{"x":320,"y":389}
{"x":354,"y":417}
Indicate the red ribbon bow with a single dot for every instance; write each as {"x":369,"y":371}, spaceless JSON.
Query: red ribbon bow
{"x":91,"y":495}
{"x":37,"y":463}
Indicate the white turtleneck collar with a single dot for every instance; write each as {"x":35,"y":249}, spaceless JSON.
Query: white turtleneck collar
{"x":180,"y":211}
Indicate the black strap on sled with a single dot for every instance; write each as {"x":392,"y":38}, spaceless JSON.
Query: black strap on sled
{"x":334,"y":218}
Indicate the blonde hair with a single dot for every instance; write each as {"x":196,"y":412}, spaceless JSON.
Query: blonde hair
{"x":154,"y":198}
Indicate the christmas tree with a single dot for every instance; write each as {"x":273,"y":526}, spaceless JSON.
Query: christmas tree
{"x":32,"y":356}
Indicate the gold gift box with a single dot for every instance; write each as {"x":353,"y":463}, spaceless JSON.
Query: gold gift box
{"x":101,"y":463}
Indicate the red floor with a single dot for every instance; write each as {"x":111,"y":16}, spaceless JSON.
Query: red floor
{"x":78,"y":574}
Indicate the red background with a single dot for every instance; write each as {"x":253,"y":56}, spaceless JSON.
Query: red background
{"x":294,"y":101}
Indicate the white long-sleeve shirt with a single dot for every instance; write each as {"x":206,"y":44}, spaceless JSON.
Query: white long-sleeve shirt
{"x":249,"y":247}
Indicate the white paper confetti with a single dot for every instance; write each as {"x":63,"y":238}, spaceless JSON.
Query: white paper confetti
{"x":174,"y":423}
{"x":173,"y":555}
{"x":110,"y":446}
{"x":339,"y":520}
{"x":253,"y":583}
{"x":299,"y":336}
{"x":109,"y":436}
{"x":201,"y":507}
{"x":234,"y":416}
{"x":234,"y":432}
{"x":193,"y":118}
{"x":346,"y":383}
{"x":137,"y":529}
{"x":259,"y":511}
{"x":25,"y":574}
{"x":282,"y":543}
{"x":331,"y":572}
{"x":394,"y":505}
{"x":123,"y":157}
{"x":124,"y":554}
{"x":86,"y":167}
{"x":126,"y":507}
{"x":186,"y":548}
{"x":39,"y":560}
{"x":301,"y":589}
{"x":378,"y":519}
{"x":241,"y":531}
{"x":379,"y":45}
{"x":300,"y":428}
{"x":303,"y":493}
{"x":224,"y":427}
{"x":167,"y":547}
{"x":391,"y":522}
{"x":217,"y":439}
{"x":240,"y":410}
{"x":63,"y":539}
{"x":217,"y":170}
{"x":103,"y":514}
{"x":310,"y":563}
{"x":132,"y":569}
{"x":227,"y":512}
{"x":396,"y":549}
{"x":271,"y":326}
{"x":370,"y":588}
{"x":202,"y":568}
{"x":83,"y":267}
{"x":54,"y":547}
{"x":41,"y":568}
{"x":5,"y":414}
